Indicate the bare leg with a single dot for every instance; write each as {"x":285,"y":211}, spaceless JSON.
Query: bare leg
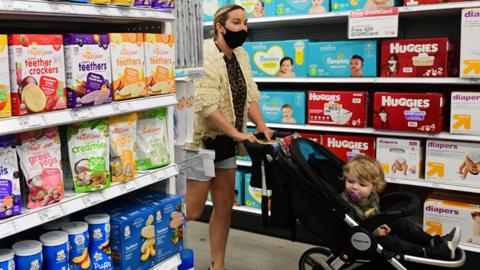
{"x":195,"y":197}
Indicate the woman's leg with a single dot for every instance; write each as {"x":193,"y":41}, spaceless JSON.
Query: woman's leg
{"x":223,"y":191}
{"x":195,"y":197}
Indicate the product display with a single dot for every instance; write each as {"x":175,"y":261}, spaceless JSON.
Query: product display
{"x":151,"y":142}
{"x":164,"y":4}
{"x":209,"y":7}
{"x":28,"y":255}
{"x":55,"y":250}
{"x":239,"y":189}
{"x":347,"y":147}
{"x":99,"y":242}
{"x":78,"y":239}
{"x":5,"y":102}
{"x":257,"y":8}
{"x":294,"y":7}
{"x":10,"y":198}
{"x":342,"y":5}
{"x":314,"y":137}
{"x":401,"y":158}
{"x":123,"y":132}
{"x":7,"y":259}
{"x":469,"y":52}
{"x":159,"y":63}
{"x":283,"y":107}
{"x":253,"y":196}
{"x":465,"y":113}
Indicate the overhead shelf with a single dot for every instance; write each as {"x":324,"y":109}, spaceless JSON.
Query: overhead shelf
{"x":374,"y":80}
{"x":75,"y":202}
{"x":169,"y":264}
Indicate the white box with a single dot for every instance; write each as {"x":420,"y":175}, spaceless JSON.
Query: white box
{"x":456,"y":162}
{"x":400,"y":158}
{"x":443,"y":211}
{"x":465,"y":113}
{"x":470,"y":51}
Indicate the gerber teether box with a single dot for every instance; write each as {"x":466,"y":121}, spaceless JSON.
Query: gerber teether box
{"x":470,"y":52}
{"x":265,"y":57}
{"x":420,"y":112}
{"x":347,"y":147}
{"x":257,"y":8}
{"x":455,"y":162}
{"x":299,"y":7}
{"x":427,"y":57}
{"x":465,"y":113}
{"x":209,"y":7}
{"x":343,"y":5}
{"x":337,"y":108}
{"x":283,"y":107}
{"x":332,"y":59}
{"x":400,"y":158}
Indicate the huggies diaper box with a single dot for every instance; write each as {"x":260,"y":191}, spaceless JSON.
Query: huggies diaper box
{"x":347,"y":147}
{"x":442,"y":212}
{"x":337,"y":108}
{"x":342,"y":59}
{"x":400,"y":158}
{"x":455,"y":162}
{"x":470,"y":51}
{"x":209,"y":7}
{"x":465,"y":113}
{"x":312,"y":136}
{"x":283,"y":107}
{"x":257,"y":8}
{"x":278,"y":58}
{"x":342,"y":5}
{"x":428,"y":57}
{"x":420,"y":112}
{"x":298,"y":7}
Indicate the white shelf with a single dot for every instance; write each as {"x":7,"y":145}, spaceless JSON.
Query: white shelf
{"x":303,"y":20}
{"x":470,"y":248}
{"x":245,"y":209}
{"x":43,"y":120}
{"x":373,"y":80}
{"x":38,"y":10}
{"x":372,"y":131}
{"x":244,"y":163}
{"x":169,"y":264}
{"x":74,"y":202}
{"x":454,"y":186}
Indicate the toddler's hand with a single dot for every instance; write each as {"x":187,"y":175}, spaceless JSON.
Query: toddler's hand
{"x":384,"y":230}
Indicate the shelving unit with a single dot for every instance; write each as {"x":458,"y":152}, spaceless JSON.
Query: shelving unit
{"x":169,"y":264}
{"x":375,"y":80}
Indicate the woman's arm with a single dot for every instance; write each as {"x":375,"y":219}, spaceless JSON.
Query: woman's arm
{"x":217,"y":121}
{"x":255,"y":115}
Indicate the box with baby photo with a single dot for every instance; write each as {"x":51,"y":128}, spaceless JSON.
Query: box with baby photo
{"x":299,"y":7}
{"x":257,"y":8}
{"x":400,"y":158}
{"x":343,"y":5}
{"x":283,"y":107}
{"x":209,"y":7}
{"x":278,"y":58}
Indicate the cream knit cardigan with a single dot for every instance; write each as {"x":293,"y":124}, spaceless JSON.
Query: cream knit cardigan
{"x":212,"y":92}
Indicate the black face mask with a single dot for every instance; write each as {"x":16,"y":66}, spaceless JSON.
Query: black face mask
{"x":235,"y":39}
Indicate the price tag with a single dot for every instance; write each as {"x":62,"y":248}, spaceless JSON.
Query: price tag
{"x":72,"y":206}
{"x":6,"y":229}
{"x":373,"y":23}
{"x":112,"y":192}
{"x":104,"y":11}
{"x":14,"y":5}
{"x":122,"y":107}
{"x":31,"y":121}
{"x":81,"y":114}
{"x":130,"y":186}
{"x":93,"y":198}
{"x":55,"y":8}
{"x":153,"y":178}
{"x":50,"y":213}
{"x":124,"y":11}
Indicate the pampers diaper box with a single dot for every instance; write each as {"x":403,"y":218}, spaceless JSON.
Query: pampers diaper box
{"x":337,"y":108}
{"x":257,"y":8}
{"x":444,"y":211}
{"x":267,"y":58}
{"x":400,"y":158}
{"x":253,"y":196}
{"x":470,"y":52}
{"x":342,"y":5}
{"x":342,"y":59}
{"x":465,"y":113}
{"x":456,"y":162}
{"x":209,"y":7}
{"x":298,"y":7}
{"x":239,"y":189}
{"x":283,"y":107}
{"x":347,"y":147}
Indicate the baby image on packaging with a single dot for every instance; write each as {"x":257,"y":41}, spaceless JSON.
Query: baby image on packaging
{"x":286,"y":64}
{"x":287,"y":112}
{"x":300,"y":7}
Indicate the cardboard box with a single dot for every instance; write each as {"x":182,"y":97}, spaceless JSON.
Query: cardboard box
{"x":5,"y":102}
{"x":267,"y":58}
{"x":253,"y":196}
{"x":337,"y":108}
{"x":342,"y":5}
{"x":209,"y":7}
{"x":283,"y":107}
{"x":469,"y":51}
{"x":159,"y":63}
{"x":37,"y":73}
{"x":347,"y":147}
{"x":419,"y":112}
{"x":299,"y":7}
{"x":401,"y":158}
{"x":465,"y":113}
{"x":427,"y":57}
{"x":239,"y":189}
{"x":342,"y":59}
{"x":257,"y":8}
{"x":455,"y":162}
{"x":312,"y":136}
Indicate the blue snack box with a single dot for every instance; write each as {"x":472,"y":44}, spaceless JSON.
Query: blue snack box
{"x":342,"y":5}
{"x":298,"y":7}
{"x":257,"y":8}
{"x":209,"y":7}
{"x":283,"y":107}
{"x":265,"y":58}
{"x":343,"y":59}
{"x":239,"y":189}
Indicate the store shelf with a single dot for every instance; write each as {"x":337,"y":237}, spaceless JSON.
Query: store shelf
{"x":43,"y":10}
{"x":375,"y":80}
{"x":74,"y":202}
{"x":454,"y":186}
{"x":244,"y":163}
{"x":470,"y":248}
{"x":244,"y":209}
{"x":68,"y":116}
{"x":169,"y":264}
{"x":304,"y":20}
{"x":372,"y":131}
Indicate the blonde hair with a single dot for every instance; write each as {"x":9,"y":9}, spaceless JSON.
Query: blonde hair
{"x":368,"y":169}
{"x":221,"y":16}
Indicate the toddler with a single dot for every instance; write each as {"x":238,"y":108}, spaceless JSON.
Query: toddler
{"x":356,"y":65}
{"x":287,"y":112}
{"x":286,"y":64}
{"x":364,"y":177}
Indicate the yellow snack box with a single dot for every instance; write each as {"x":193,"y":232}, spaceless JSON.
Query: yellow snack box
{"x":159,"y":63}
{"x":5,"y":102}
{"x":123,"y":133}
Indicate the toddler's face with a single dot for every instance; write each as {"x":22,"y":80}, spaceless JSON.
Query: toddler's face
{"x":286,"y":66}
{"x":358,"y":188}
{"x":287,"y":113}
{"x":355,"y":64}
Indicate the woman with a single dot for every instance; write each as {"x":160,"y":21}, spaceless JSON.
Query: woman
{"x":224,"y":98}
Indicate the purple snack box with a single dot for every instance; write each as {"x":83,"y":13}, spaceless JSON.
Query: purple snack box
{"x":142,"y":3}
{"x":10,"y":198}
{"x":163,"y":4}
{"x":88,"y":69}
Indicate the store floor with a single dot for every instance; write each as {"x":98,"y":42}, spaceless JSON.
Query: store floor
{"x":245,"y":251}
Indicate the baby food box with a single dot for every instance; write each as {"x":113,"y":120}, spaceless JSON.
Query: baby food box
{"x":420,"y":112}
{"x":159,"y":63}
{"x":37,"y":73}
{"x":347,"y":147}
{"x":427,"y":57}
{"x":257,"y":8}
{"x":298,"y":7}
{"x":10,"y":195}
{"x":132,"y":237}
{"x":342,"y":59}
{"x":209,"y":7}
{"x":455,"y":162}
{"x":342,"y":5}
{"x":87,"y":67}
{"x":5,"y":103}
{"x":283,"y":107}
{"x":128,"y":57}
{"x":469,"y":51}
{"x":338,"y":108}
{"x":400,"y":158}
{"x":278,"y":58}
{"x":465,"y":113}
{"x":239,"y":188}
{"x":442,"y":212}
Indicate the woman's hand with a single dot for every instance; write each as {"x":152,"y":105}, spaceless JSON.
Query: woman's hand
{"x":266,"y":131}
{"x":242,"y":137}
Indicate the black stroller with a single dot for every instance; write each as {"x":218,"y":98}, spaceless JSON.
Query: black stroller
{"x":304,"y":179}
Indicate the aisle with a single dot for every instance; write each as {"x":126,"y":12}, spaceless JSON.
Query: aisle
{"x":246,"y":251}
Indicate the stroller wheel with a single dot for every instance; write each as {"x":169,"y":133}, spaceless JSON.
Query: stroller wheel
{"x":317,"y":258}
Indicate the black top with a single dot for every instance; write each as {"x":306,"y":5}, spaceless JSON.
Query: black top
{"x":238,"y":87}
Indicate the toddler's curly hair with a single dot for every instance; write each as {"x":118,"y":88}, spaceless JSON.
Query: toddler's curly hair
{"x":367,"y":169}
